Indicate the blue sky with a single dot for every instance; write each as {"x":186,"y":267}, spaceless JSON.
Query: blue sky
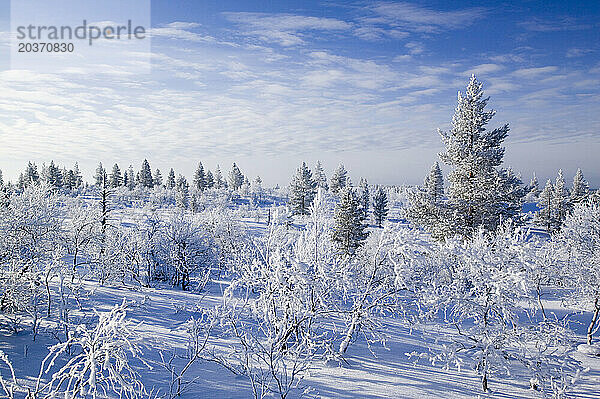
{"x":269,"y":84}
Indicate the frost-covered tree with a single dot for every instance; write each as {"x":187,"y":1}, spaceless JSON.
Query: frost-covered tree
{"x":115,"y":179}
{"x":100,"y":175}
{"x":157,"y":179}
{"x":210,"y":180}
{"x":182,"y":192}
{"x":319,"y":176}
{"x":480,"y":192}
{"x":145,"y":175}
{"x":580,"y":189}
{"x":339,"y":179}
{"x":365,"y":197}
{"x":560,"y":199}
{"x":218,"y":176}
{"x":200,"y":178}
{"x":53,"y":175}
{"x":171,"y":179}
{"x":380,"y":206}
{"x":546,"y":216}
{"x":434,"y":184}
{"x":579,"y":242}
{"x":302,"y":190}
{"x":1,"y":179}
{"x":349,"y":228}
{"x":236,"y":178}
{"x":31,"y":174}
{"x":78,"y":179}
{"x":534,"y":187}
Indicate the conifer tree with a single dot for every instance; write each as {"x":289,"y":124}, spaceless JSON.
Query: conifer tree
{"x":210,"y":181}
{"x":115,"y":179}
{"x":302,"y":191}
{"x":31,"y":175}
{"x":131,"y":183}
{"x":219,"y":182}
{"x":200,"y":178}
{"x":182,"y":192}
{"x":560,"y":199}
{"x":145,"y":175}
{"x":171,"y":179}
{"x":1,"y":179}
{"x":78,"y":179}
{"x":365,"y":197}
{"x":481,"y":194}
{"x":380,"y":206}
{"x":339,"y":179}
{"x":319,"y":176}
{"x":534,"y":187}
{"x":434,"y":184}
{"x":236,"y":178}
{"x":580,"y":189}
{"x":100,"y":175}
{"x":349,"y":230}
{"x":157,"y":178}
{"x":546,"y":215}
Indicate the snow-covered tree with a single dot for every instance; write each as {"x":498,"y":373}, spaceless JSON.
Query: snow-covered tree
{"x":534,"y":187}
{"x":546,"y":216}
{"x":78,"y":179}
{"x":218,"y":176}
{"x":580,"y":189}
{"x":115,"y":179}
{"x":349,"y":228}
{"x":171,"y":179}
{"x":236,"y":178}
{"x":131,"y":183}
{"x":434,"y":184}
{"x":365,"y":197}
{"x":210,"y":180}
{"x":157,"y":179}
{"x":319,"y":176}
{"x":560,"y":199}
{"x":480,"y":194}
{"x":380,"y":206}
{"x":339,"y":179}
{"x":100,"y":175}
{"x":302,"y":190}
{"x":145,"y":175}
{"x":200,"y":178}
{"x":182,"y":192}
{"x":1,"y":179}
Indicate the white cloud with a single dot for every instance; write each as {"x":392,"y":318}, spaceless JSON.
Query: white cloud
{"x":483,"y":69}
{"x":530,"y":73}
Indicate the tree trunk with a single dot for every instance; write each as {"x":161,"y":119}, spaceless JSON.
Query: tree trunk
{"x":590,"y":330}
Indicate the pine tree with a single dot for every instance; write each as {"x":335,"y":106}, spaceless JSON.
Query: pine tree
{"x":145,"y":176}
{"x":302,"y":191}
{"x":434,"y":184}
{"x":78,"y":179}
{"x":200,"y":178}
{"x":480,"y":194}
{"x":560,"y":199}
{"x":115,"y":179}
{"x":182,"y":192}
{"x":339,"y":180}
{"x":580,"y":190}
{"x":71,"y":180}
{"x":1,"y":179}
{"x":100,"y":175}
{"x":53,"y":175}
{"x":157,"y":178}
{"x":319,"y":176}
{"x":171,"y":180}
{"x":546,"y":214}
{"x":349,"y":230}
{"x":365,"y":197}
{"x":31,"y":175}
{"x":380,"y":206}
{"x":210,"y":181}
{"x":236,"y":178}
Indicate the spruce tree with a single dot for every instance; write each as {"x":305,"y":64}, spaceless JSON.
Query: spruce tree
{"x":200,"y":178}
{"x":546,"y":215}
{"x":319,"y":176}
{"x":339,"y":179}
{"x":78,"y":179}
{"x":481,"y":194}
{"x":115,"y":179}
{"x":560,"y":199}
{"x":145,"y":175}
{"x":534,"y":187}
{"x":349,"y":230}
{"x":182,"y":192}
{"x":365,"y":197}
{"x":380,"y":206}
{"x":131,"y":181}
{"x":580,"y":189}
{"x":157,"y":178}
{"x":1,"y":179}
{"x":236,"y":178}
{"x":31,"y":174}
{"x":219,"y":182}
{"x":100,"y":175}
{"x":210,"y":181}
{"x":302,"y":191}
{"x":434,"y":184}
{"x":171,"y":180}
